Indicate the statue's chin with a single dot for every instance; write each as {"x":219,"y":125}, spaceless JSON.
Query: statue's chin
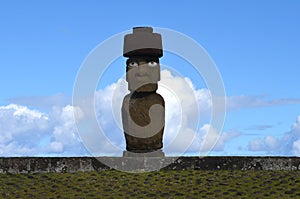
{"x":144,"y":88}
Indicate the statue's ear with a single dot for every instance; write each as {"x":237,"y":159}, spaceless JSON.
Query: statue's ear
{"x":158,"y":72}
{"x":127,"y":78}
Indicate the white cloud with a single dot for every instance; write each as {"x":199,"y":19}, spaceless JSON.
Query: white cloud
{"x":181,"y":97}
{"x":269,"y":145}
{"x":24,"y":131}
{"x":108,"y":102}
{"x":296,"y":127}
{"x":271,"y":142}
{"x":296,"y":137}
{"x":55,"y":147}
{"x":182,"y":116}
{"x":17,"y":123}
{"x":209,"y":137}
{"x":289,"y":144}
{"x":64,"y":132}
{"x":296,"y":147}
{"x":256,"y":145}
{"x":212,"y":140}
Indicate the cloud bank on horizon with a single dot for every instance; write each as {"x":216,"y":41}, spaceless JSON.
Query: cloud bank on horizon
{"x":25,"y":131}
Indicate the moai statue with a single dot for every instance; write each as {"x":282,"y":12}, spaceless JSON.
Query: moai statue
{"x":143,"y":110}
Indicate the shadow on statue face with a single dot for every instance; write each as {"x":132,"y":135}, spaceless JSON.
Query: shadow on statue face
{"x":142,"y":73}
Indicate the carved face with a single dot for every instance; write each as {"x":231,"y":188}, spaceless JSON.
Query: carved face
{"x":142,"y":73}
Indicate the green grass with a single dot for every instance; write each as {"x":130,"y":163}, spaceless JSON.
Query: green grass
{"x":160,"y":184}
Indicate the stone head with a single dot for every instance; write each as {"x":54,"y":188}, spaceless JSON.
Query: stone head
{"x":143,"y":49}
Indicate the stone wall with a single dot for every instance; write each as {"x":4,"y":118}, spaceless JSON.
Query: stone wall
{"x":82,"y":164}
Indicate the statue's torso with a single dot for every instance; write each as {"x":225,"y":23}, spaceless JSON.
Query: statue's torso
{"x":141,"y":132}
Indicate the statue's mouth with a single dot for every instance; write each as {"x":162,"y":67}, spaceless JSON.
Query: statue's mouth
{"x":142,"y":75}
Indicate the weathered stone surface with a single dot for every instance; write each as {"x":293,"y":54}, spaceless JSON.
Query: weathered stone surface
{"x":143,"y":42}
{"x":83,"y":164}
{"x":42,"y":165}
{"x":142,"y":73}
{"x":140,"y":134}
{"x":143,"y":110}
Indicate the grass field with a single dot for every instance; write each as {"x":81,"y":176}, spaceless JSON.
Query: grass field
{"x":159,"y":184}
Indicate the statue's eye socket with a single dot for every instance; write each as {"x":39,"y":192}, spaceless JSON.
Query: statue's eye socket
{"x":152,"y":63}
{"x":133,"y":64}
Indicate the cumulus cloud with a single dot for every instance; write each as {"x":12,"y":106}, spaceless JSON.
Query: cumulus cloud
{"x":16,"y":128}
{"x":184,"y":105}
{"x":256,"y":145}
{"x":296,"y":147}
{"x":269,"y":145}
{"x":271,"y":142}
{"x":180,"y":97}
{"x":182,"y":100}
{"x":288,"y":144}
{"x":28,"y":132}
{"x":31,"y":132}
{"x":108,"y":102}
{"x":64,"y":137}
{"x":213,"y":140}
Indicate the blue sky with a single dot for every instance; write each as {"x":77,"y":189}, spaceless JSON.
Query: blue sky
{"x":255,"y":45}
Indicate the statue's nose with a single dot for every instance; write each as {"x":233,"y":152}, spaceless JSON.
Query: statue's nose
{"x":142,"y":68}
